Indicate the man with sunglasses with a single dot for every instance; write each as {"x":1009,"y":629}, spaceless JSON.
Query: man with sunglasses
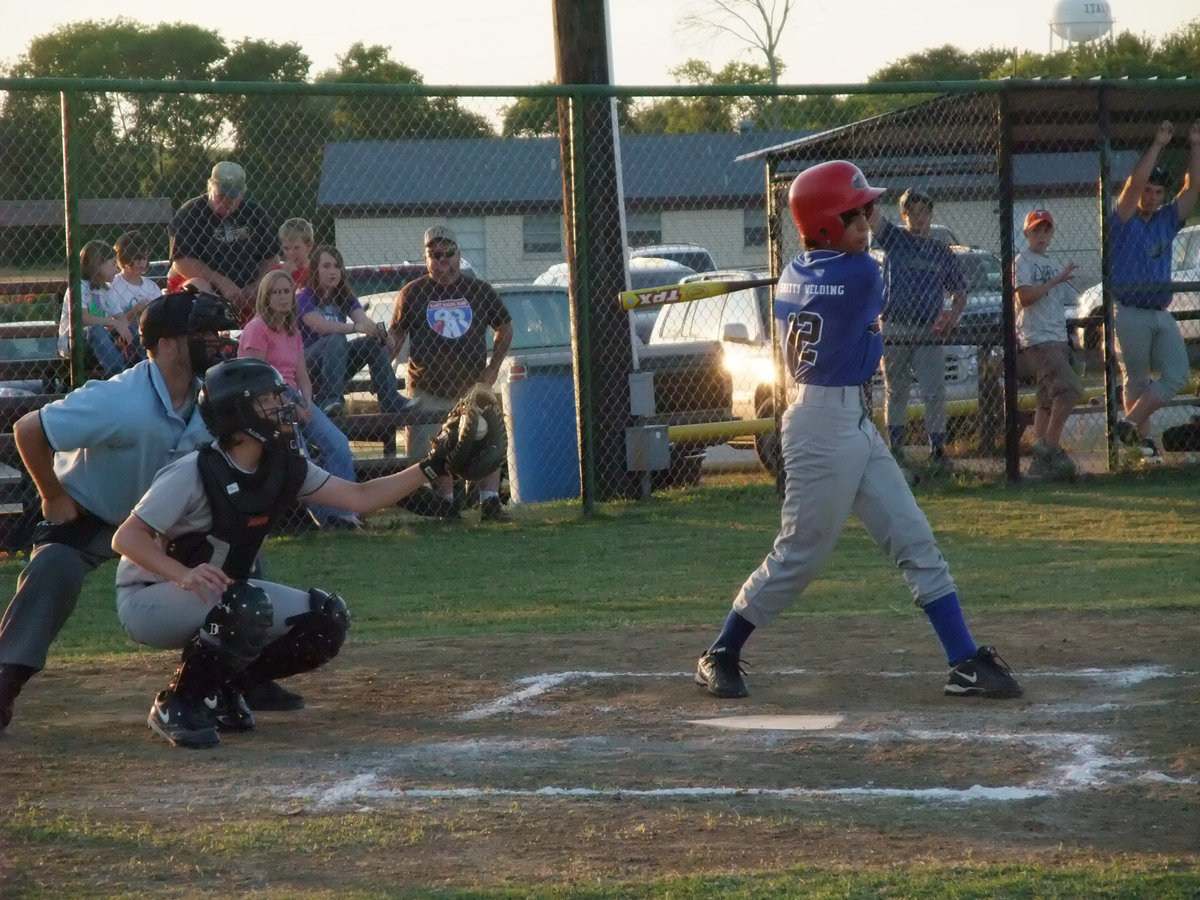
{"x":918,"y":272}
{"x":445,"y":316}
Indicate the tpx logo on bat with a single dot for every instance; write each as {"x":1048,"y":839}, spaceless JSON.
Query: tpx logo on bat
{"x":682,"y":293}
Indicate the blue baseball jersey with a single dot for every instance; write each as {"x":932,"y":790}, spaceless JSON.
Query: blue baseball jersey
{"x":1141,"y":254}
{"x":918,"y":271}
{"x":827,"y":306}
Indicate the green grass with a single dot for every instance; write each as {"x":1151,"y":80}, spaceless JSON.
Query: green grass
{"x":1125,"y":542}
{"x":1111,"y":545}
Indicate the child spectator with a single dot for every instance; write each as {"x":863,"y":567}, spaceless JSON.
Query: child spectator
{"x":295,"y":246}
{"x":273,"y":336}
{"x":329,"y":313}
{"x":105,"y":322}
{"x":1043,"y":350}
{"x":131,"y":286}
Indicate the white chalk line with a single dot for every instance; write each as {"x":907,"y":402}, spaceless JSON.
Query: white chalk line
{"x":538,"y":685}
{"x":1082,"y":763}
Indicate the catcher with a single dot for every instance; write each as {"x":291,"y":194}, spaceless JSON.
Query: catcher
{"x":189,"y":544}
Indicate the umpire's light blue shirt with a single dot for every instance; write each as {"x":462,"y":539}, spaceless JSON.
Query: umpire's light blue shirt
{"x":111,"y":437}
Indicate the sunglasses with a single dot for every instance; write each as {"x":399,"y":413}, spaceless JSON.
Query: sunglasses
{"x":850,"y":215}
{"x":443,"y":254}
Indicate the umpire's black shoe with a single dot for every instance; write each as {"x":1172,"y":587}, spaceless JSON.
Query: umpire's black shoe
{"x":268,"y":696}
{"x":720,"y":670}
{"x":182,"y":723}
{"x":492,"y":510}
{"x":229,"y":708}
{"x":12,"y":679}
{"x":983,"y":675}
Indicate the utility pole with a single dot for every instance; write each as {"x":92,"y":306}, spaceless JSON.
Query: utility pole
{"x":592,"y":205}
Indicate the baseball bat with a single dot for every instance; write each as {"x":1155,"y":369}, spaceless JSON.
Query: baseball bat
{"x":682,"y":293}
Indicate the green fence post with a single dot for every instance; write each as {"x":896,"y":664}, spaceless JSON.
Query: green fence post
{"x":71,"y":220}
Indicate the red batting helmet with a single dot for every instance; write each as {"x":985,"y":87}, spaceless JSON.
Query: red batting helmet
{"x":819,"y":194}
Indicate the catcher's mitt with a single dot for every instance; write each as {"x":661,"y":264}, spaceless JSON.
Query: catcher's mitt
{"x":472,"y":442}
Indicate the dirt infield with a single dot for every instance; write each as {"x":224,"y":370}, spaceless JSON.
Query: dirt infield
{"x":573,"y":757}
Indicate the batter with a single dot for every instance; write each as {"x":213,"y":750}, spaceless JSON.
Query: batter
{"x":827,"y":307}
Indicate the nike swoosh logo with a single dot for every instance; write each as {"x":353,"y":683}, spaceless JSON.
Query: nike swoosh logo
{"x":969,"y":679}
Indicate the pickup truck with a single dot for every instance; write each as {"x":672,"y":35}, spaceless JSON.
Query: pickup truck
{"x":740,"y":321}
{"x":691,"y":383}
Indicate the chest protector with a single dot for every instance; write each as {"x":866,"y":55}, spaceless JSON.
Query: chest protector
{"x":245,"y":506}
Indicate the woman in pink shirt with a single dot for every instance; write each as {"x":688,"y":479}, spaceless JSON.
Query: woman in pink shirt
{"x":273,"y":335}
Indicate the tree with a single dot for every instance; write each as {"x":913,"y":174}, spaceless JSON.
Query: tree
{"x":538,"y":116}
{"x":945,"y":63}
{"x":756,"y":23}
{"x":396,"y":117}
{"x":681,"y":115}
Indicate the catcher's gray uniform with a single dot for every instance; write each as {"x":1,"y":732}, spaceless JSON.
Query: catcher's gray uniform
{"x":162,"y":614}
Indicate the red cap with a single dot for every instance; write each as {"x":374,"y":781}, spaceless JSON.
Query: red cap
{"x":1036,"y":217}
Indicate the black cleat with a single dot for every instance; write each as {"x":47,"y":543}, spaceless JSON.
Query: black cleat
{"x":492,"y":510}
{"x":229,"y":708}
{"x":721,"y":671}
{"x":983,"y":675}
{"x":268,"y":696}
{"x":183,"y":724}
{"x":12,"y":678}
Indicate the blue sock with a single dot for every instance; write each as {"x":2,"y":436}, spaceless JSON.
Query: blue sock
{"x":937,"y":443}
{"x":945,"y":614}
{"x":895,"y":436}
{"x":734,"y":633}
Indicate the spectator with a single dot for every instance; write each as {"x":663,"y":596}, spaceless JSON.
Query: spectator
{"x":90,"y":473}
{"x":329,"y":314}
{"x":131,"y":285}
{"x":1141,"y":230}
{"x":826,"y":310}
{"x":295,"y":247}
{"x":918,"y":272}
{"x":273,"y":335}
{"x":105,"y":319}
{"x":445,"y":316}
{"x":223,"y":241}
{"x":1043,"y":351}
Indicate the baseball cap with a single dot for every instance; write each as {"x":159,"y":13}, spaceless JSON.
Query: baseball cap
{"x":1036,"y":217}
{"x":439,"y":233}
{"x":1159,"y":176}
{"x":228,"y":178}
{"x":166,"y":316}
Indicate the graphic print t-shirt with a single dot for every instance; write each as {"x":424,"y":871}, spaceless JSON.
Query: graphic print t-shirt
{"x":447,"y":330}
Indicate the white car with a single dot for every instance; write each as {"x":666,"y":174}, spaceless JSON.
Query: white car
{"x":1185,"y":266}
{"x":644,"y":272}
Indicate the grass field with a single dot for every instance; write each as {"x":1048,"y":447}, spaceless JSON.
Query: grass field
{"x":514,"y":716}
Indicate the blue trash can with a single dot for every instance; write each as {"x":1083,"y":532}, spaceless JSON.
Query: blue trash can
{"x":543,"y":441}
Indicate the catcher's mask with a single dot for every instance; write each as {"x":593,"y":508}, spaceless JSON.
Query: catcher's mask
{"x":210,"y":316}
{"x":247,"y":395}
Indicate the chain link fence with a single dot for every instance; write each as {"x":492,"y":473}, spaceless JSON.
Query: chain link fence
{"x":687,"y":385}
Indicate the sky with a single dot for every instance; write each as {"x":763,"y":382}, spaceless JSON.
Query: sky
{"x":510,"y":42}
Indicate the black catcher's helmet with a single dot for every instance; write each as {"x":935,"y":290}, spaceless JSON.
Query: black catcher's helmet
{"x":229,"y":400}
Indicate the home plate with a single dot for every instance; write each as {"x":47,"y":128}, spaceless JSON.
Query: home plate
{"x":773,"y":723}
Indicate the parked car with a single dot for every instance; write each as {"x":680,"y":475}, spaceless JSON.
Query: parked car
{"x":644,"y":272}
{"x":1185,"y":266}
{"x":740,"y":321}
{"x":693,"y":256}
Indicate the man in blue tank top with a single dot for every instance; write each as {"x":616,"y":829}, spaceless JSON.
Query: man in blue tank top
{"x":1141,"y":230}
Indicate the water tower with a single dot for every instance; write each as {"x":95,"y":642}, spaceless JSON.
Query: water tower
{"x":1076,"y":21}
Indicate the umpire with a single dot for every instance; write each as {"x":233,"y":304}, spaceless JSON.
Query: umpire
{"x":92,"y":455}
